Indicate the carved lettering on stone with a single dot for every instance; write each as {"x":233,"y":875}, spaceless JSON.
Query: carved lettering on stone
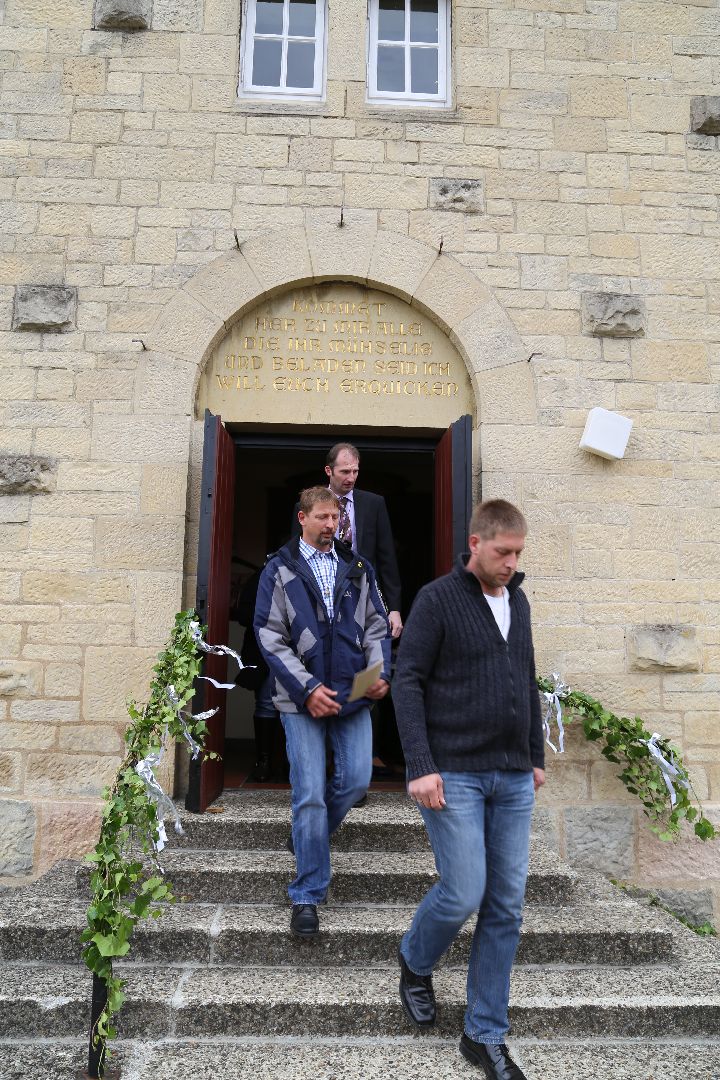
{"x":45,"y":307}
{"x":462,"y":196}
{"x":663,"y":648}
{"x":616,"y":315}
{"x":705,"y":115}
{"x":29,"y":474}
{"x":123,"y":14}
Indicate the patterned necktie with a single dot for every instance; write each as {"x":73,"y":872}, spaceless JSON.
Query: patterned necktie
{"x":344,"y":526}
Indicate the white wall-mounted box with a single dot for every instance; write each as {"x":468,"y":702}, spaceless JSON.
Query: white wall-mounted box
{"x":606,"y":433}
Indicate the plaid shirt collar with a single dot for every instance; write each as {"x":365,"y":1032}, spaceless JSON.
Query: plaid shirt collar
{"x":309,"y":552}
{"x":324,"y":565}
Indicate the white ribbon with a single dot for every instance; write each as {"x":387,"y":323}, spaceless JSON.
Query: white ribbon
{"x":184,"y":717}
{"x":164,"y":806}
{"x":217,"y":650}
{"x":553,"y":700}
{"x":671,"y":774}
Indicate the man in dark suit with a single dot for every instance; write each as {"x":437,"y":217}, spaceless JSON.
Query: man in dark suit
{"x":364,"y":525}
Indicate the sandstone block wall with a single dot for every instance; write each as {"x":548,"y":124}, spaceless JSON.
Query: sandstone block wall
{"x":570,"y":163}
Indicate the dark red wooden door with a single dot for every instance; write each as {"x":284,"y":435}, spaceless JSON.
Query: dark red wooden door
{"x":453,"y":493}
{"x":217,"y":499}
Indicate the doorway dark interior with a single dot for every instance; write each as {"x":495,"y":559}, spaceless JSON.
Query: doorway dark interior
{"x":270,"y":472}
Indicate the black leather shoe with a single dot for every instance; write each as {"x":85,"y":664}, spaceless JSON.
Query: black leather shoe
{"x":493,"y":1058}
{"x":417,"y":995}
{"x":304,"y":920}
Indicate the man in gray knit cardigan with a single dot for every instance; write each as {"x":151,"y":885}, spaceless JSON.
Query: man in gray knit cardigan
{"x":468,"y":713}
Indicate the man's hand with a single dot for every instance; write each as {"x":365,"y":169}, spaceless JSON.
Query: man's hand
{"x":428,"y":791}
{"x":321,"y":702}
{"x":539,"y":778}
{"x":396,"y":625}
{"x":378,"y":690}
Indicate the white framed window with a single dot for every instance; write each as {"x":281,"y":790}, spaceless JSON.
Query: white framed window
{"x":282,"y":50}
{"x":409,"y":52}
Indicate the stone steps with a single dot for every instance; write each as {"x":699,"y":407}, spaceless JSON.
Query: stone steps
{"x":604,"y":988}
{"x":262,"y":877}
{"x":607,"y":933}
{"x":546,"y":1002}
{"x":364,"y":1059}
{"x":249,"y":820}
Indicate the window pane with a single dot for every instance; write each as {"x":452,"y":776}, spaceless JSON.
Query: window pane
{"x":423,"y":20}
{"x":267,"y":57}
{"x":424,"y":71}
{"x":391,"y":20}
{"x":302,"y":18}
{"x":269,"y":17}
{"x":300,"y":64}
{"x":391,"y":68}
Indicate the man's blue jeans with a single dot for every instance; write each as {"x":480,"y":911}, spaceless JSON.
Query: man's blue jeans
{"x":319,"y":805}
{"x":480,"y":841}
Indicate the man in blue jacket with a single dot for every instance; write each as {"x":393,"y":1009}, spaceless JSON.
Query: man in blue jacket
{"x":319,"y":620}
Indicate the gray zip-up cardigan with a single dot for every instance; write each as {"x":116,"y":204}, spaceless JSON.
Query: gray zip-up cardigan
{"x":465,"y":699}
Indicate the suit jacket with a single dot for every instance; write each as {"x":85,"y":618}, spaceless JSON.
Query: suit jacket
{"x":374,"y":541}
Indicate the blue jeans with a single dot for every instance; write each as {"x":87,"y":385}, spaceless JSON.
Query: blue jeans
{"x":480,"y":841}
{"x":318,"y":804}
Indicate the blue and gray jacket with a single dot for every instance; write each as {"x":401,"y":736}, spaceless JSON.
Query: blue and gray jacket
{"x":301,"y":646}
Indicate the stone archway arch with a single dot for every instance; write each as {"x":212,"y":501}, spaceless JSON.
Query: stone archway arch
{"x":205,"y":308}
{"x":202,"y":312}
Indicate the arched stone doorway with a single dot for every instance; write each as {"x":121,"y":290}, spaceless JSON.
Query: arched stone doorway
{"x":204,"y":314}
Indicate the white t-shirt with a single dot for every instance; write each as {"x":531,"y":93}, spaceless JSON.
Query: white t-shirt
{"x":500,"y":607}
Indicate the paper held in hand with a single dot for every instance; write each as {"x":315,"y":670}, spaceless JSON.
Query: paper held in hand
{"x":364,"y":680}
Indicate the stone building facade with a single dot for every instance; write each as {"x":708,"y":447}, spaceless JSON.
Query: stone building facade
{"x":556,"y":220}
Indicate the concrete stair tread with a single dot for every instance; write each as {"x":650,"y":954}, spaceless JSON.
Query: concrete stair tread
{"x":348,"y":862}
{"x":537,"y":985}
{"x":389,"y":807}
{"x":231,"y":933}
{"x":257,"y":876}
{"x":399,"y":1058}
{"x":51,"y":986}
{"x":41,"y":1001}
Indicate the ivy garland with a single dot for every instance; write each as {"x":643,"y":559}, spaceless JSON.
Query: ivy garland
{"x":127,"y":882}
{"x":626,"y":743}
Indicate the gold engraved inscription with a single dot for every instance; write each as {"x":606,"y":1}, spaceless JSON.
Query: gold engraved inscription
{"x":333,"y":343}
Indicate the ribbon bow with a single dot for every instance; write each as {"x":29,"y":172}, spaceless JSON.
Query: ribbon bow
{"x":554,"y":704}
{"x":671,"y":773}
{"x":164,"y":806}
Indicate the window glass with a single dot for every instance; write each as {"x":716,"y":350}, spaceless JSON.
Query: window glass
{"x":424,"y":71}
{"x":300,"y":64}
{"x":267,"y":62}
{"x":391,"y":69}
{"x":391,"y":21}
{"x":302,"y":18}
{"x":409,"y":52}
{"x":269,"y":17}
{"x":283,"y":49}
{"x":423,"y":20}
